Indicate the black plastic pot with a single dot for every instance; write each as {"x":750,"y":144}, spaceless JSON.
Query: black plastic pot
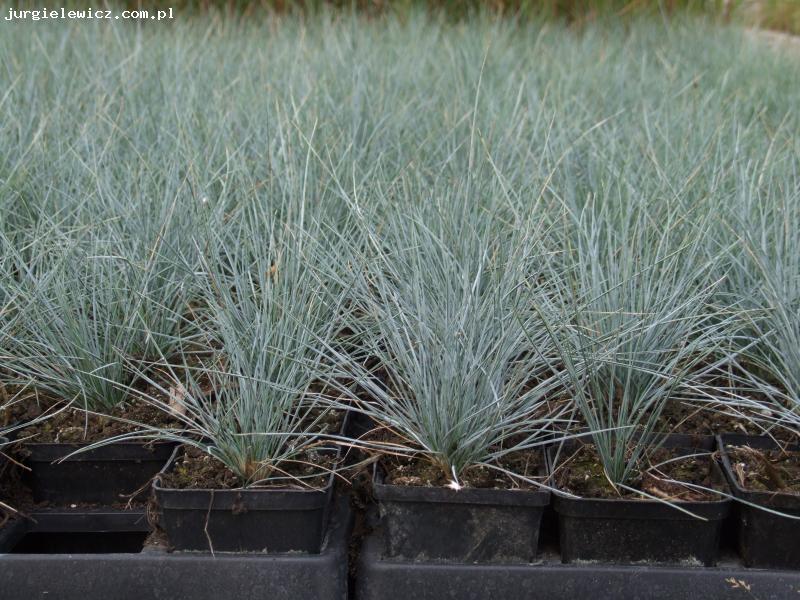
{"x":246,"y":520}
{"x":109,"y":474}
{"x":642,"y":531}
{"x":765,"y":540}
{"x":468,"y":525}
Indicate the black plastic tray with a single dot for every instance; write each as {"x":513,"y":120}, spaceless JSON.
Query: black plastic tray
{"x":154,"y":573}
{"x":765,"y":540}
{"x":381,"y":578}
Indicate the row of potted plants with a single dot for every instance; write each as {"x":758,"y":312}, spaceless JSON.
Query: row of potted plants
{"x":468,"y":359}
{"x":481,"y":524}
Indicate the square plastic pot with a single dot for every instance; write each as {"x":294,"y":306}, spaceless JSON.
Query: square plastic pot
{"x":765,"y":540}
{"x":243,"y":520}
{"x":623,"y":531}
{"x":466,"y":526}
{"x":106,"y":475}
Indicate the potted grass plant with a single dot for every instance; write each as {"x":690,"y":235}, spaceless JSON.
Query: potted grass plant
{"x":254,"y":471}
{"x":456,"y":393}
{"x":636,"y":334}
{"x":93,"y":309}
{"x":763,"y":471}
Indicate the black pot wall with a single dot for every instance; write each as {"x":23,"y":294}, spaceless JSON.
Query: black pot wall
{"x":764,"y":540}
{"x":247,"y":520}
{"x":105,"y":475}
{"x":641,"y":531}
{"x":469,"y":525}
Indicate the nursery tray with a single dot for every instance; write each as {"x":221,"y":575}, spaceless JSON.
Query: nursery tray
{"x":101,"y":555}
{"x":548,"y":579}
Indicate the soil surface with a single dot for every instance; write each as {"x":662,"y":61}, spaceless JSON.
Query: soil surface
{"x":421,"y":472}
{"x":330,"y":421}
{"x":582,"y":474}
{"x":15,"y":411}
{"x":766,"y":470}
{"x":678,"y":417}
{"x":196,"y":470}
{"x":682,"y":418}
{"x":74,"y":425}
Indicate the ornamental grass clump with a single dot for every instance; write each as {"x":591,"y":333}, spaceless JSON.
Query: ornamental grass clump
{"x":252,"y":400}
{"x":436,"y":296}
{"x":93,"y":311}
{"x":637,"y":331}
{"x":764,"y":283}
